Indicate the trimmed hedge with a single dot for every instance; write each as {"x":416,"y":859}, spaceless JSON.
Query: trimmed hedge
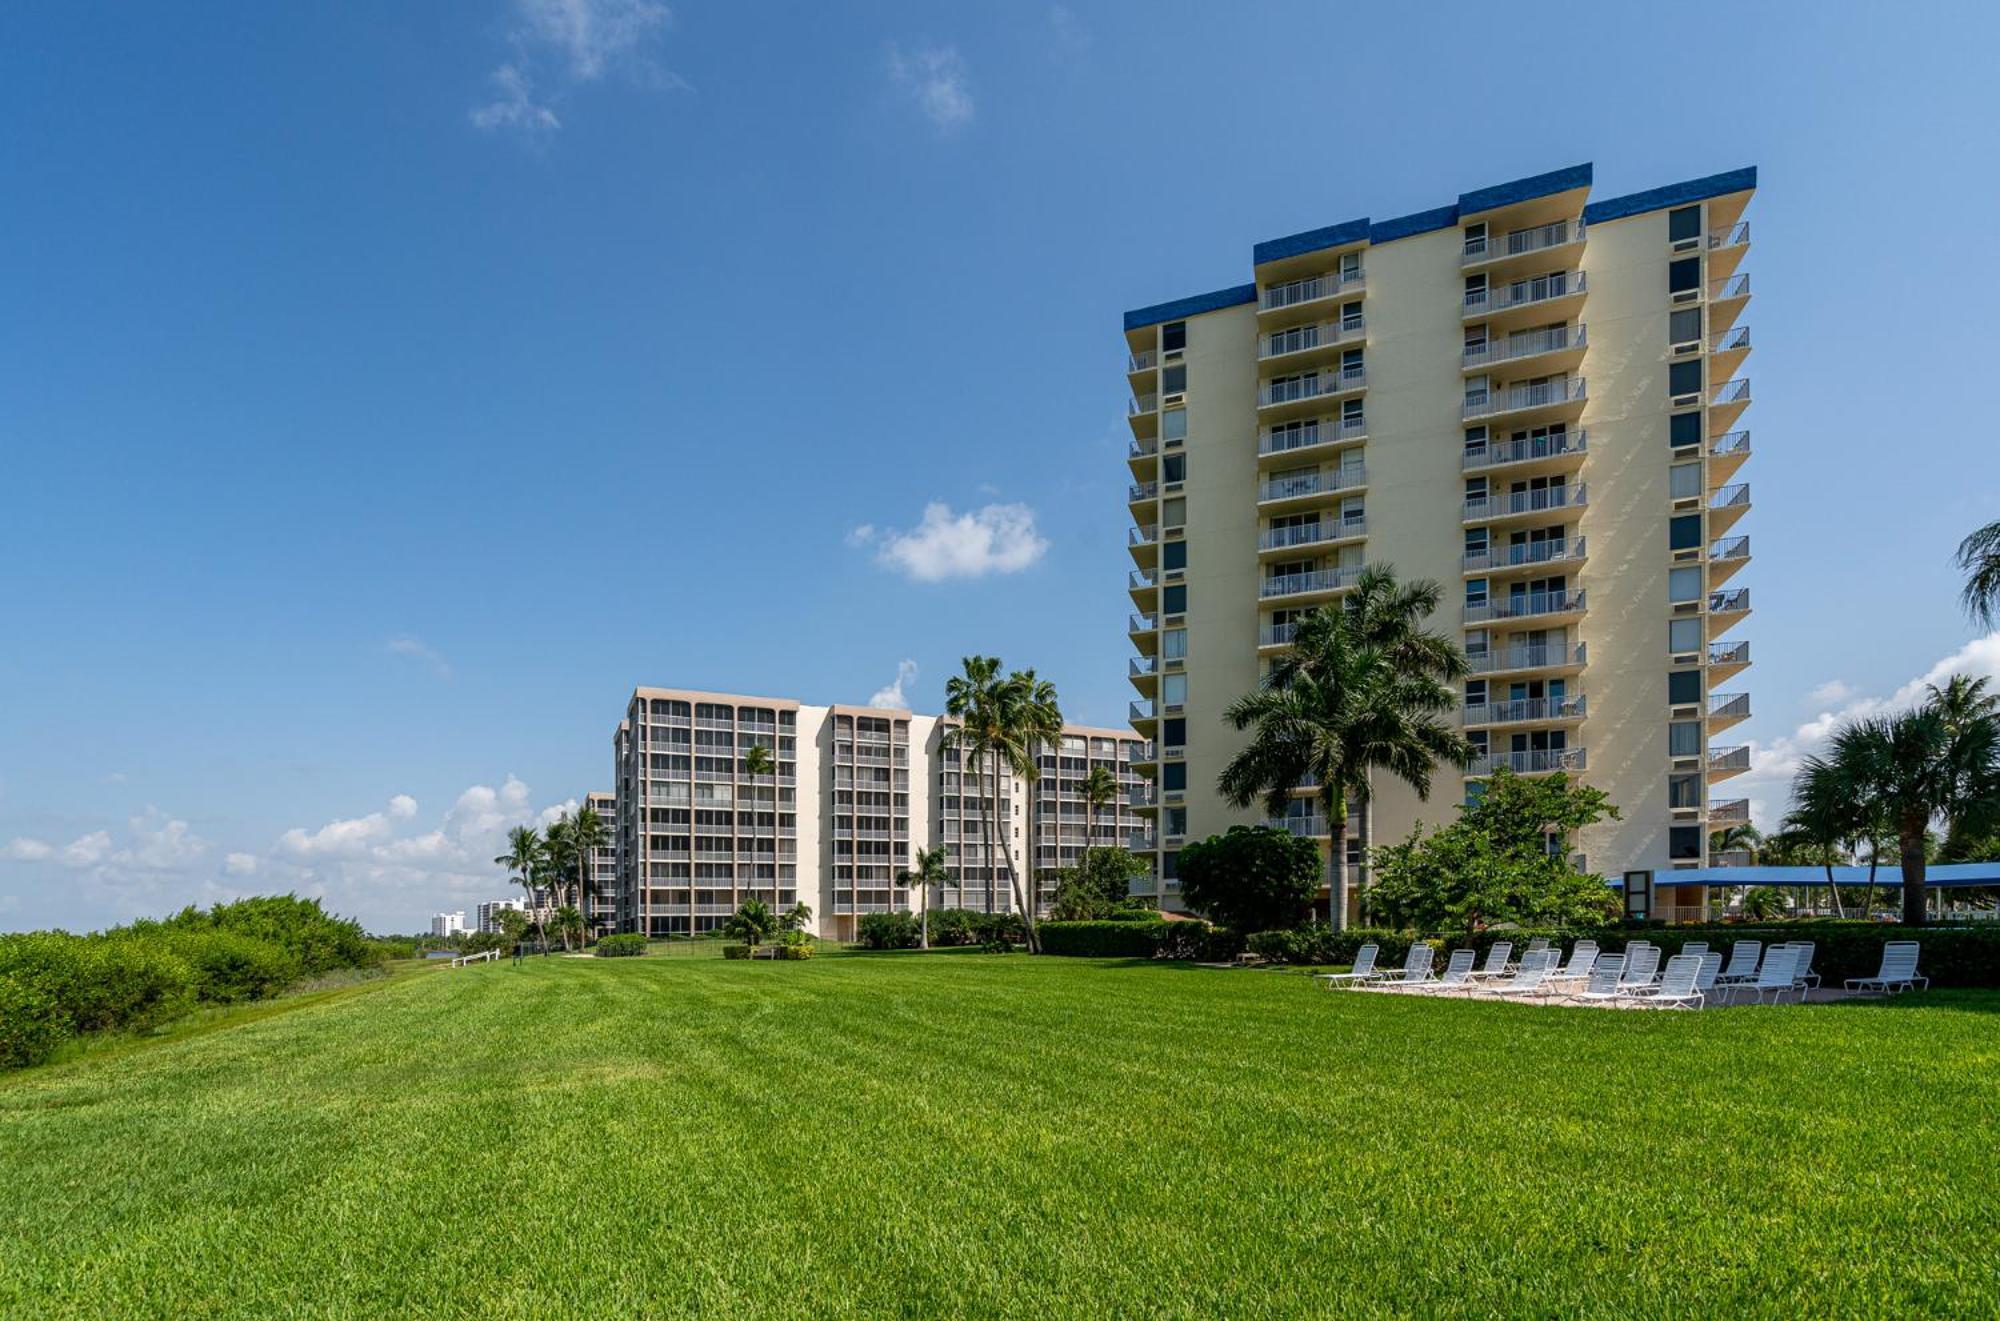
{"x":949,"y":926}
{"x":629,"y":945}
{"x":1192,"y":940}
{"x":735,"y":951}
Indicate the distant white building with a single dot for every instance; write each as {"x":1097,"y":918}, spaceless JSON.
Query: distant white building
{"x":489,"y":912}
{"x":447,"y":924}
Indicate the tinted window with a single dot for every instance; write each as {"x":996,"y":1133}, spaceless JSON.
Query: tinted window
{"x":1684,"y":532}
{"x":1173,"y":336}
{"x":1174,"y":598}
{"x":1175,"y":553}
{"x":1683,"y":223}
{"x":1683,"y":687}
{"x":1684,"y":377}
{"x":1684,"y":274}
{"x":1173,"y":775}
{"x":1684,"y":429}
{"x":1175,"y":733}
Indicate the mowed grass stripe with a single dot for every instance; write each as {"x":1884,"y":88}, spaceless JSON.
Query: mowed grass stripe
{"x":912,"y":1135}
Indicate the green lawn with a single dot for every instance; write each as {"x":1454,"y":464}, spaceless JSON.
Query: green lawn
{"x":970,"y":1134}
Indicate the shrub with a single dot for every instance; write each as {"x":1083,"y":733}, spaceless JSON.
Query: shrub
{"x":32,"y":1023}
{"x":997,"y":947}
{"x":1199,"y":942}
{"x":890,"y":930}
{"x":624,"y":946}
{"x":230,"y":967}
{"x":1102,"y":940}
{"x":802,"y":950}
{"x":735,"y":951}
{"x":101,"y":983}
{"x":318,"y":941}
{"x":1253,"y":878}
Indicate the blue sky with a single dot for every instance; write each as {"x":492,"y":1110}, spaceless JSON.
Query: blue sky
{"x":386,"y":389}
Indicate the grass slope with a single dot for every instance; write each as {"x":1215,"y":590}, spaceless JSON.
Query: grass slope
{"x":917,"y":1136}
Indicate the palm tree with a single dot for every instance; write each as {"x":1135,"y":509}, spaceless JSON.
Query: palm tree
{"x":1917,"y":768}
{"x":523,"y":858}
{"x":587,"y":835}
{"x":1830,"y":815}
{"x":1003,"y":722}
{"x":757,"y":761}
{"x":928,"y":874}
{"x":1359,"y":691}
{"x":752,"y":923}
{"x":1739,"y":838}
{"x":1100,"y":790}
{"x":569,"y":921}
{"x":559,"y":858}
{"x":797,"y":916}
{"x":1979,"y":559}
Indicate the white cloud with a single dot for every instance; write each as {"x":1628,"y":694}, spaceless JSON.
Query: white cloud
{"x":402,"y":807}
{"x":88,"y":851}
{"x":418,"y":650}
{"x":891,"y":695}
{"x":1774,"y":763}
{"x":240,"y":864}
{"x":591,"y":34}
{"x":993,"y":539}
{"x":934,"y":79}
{"x":28,"y":850}
{"x":514,"y":105}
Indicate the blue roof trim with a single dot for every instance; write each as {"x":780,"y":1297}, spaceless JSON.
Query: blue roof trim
{"x":1422,"y":222}
{"x":1937,"y":874}
{"x":1140,"y":317}
{"x":1524,"y":190}
{"x":1674,"y":194}
{"x":1313,"y":240}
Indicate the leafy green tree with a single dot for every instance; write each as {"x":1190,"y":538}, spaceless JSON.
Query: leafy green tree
{"x":1764,"y":903}
{"x":1098,"y":884}
{"x":797,"y":917}
{"x":1362,"y":687}
{"x":929,"y":873}
{"x":1251,"y":878}
{"x":569,"y":921}
{"x":1100,"y":790}
{"x":1979,"y":560}
{"x":1002,"y":722}
{"x":753,"y":923}
{"x":513,"y":925}
{"x":587,"y":834}
{"x":1505,"y":859}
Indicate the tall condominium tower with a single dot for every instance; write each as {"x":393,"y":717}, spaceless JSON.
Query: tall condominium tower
{"x":601,"y":904}
{"x":1529,"y":397}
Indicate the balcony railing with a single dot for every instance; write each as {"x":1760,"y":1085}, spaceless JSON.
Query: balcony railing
{"x":1320,"y":432}
{"x":1560,"y":550}
{"x":1142,"y":447}
{"x":1735,"y":391}
{"x":1492,"y":453}
{"x":1524,"y":605}
{"x":1142,"y":624}
{"x":1141,"y":491}
{"x":1541,"y":289}
{"x":1313,"y":580}
{"x":1485,"y":403}
{"x":1145,"y":403}
{"x":1141,"y":666}
{"x":1305,"y":827}
{"x":1275,"y":635}
{"x":1733,"y":496}
{"x":1735,"y":286}
{"x":1730,"y":340}
{"x":1141,"y":796}
{"x":1729,"y":653}
{"x":1524,"y":709}
{"x":1530,"y":762}
{"x":1144,"y":535}
{"x":1142,"y":361}
{"x":1527,"y":344}
{"x":1140,"y":579}
{"x":1729,"y":706}
{"x":1293,"y":292}
{"x":1314,"y":483}
{"x":1565,"y":496}
{"x":1142,"y":710}
{"x":1730,"y":236}
{"x":1729,"y":809}
{"x":1319,"y":335}
{"x":1732,"y":602}
{"x":1311,"y":534}
{"x":1541,"y":657}
{"x":1522,"y":241}
{"x":1730,"y":548}
{"x":1729,"y":445}
{"x":1292,"y":389}
{"x":1736,"y":758}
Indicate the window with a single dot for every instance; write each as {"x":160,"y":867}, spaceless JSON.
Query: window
{"x":1684,"y":429}
{"x":1683,"y":636}
{"x":1683,"y":687}
{"x":1176,"y":821}
{"x":1173,"y":777}
{"x":1475,"y":593}
{"x":1684,"y":532}
{"x":1173,"y":691}
{"x":1174,"y":555}
{"x":1683,"y":843}
{"x":1683,"y":222}
{"x":1173,"y":424}
{"x":1173,"y":468}
{"x":1173,"y":644}
{"x":1173,"y":732}
{"x":1173,"y":600}
{"x":1684,"y":377}
{"x":1683,"y":584}
{"x":1684,"y":481}
{"x":1684,"y":275}
{"x":1684,"y":738}
{"x":1684,"y":326}
{"x":1173,"y":337}
{"x":1173,"y":513}
{"x":1173,"y":380}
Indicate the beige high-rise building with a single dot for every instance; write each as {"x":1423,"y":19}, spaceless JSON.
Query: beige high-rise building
{"x":856,"y":790}
{"x":1529,"y":397}
{"x":601,"y":905}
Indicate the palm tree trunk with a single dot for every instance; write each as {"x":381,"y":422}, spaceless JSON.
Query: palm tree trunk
{"x":1912,"y":845}
{"x":1336,"y":871}
{"x":1832,"y":890}
{"x":924,"y":929}
{"x":1868,"y":895}
{"x":1013,"y":877}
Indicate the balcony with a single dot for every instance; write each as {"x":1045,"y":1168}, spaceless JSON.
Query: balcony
{"x":1499,"y":559}
{"x":1726,"y":454}
{"x":1143,"y":361}
{"x":1347,"y":477}
{"x":1521,"y":399}
{"x":1312,"y":289}
{"x":1729,"y":236}
{"x":1526,"y":710}
{"x":1726,"y":507}
{"x":1320,"y":431}
{"x":1308,"y":342}
{"x":1275,"y":635}
{"x":1727,"y":659}
{"x":1725,"y":557}
{"x":1138,"y":624}
{"x":1526,"y":605}
{"x":1144,"y":403}
{"x":1535,"y":761}
{"x":1324,"y":532}
{"x":1569,"y":341}
{"x":1315,"y":582}
{"x":1513,"y":504}
{"x":1511,"y":660}
{"x":1735,"y":601}
{"x":1142,"y":448}
{"x":1521,"y":243}
{"x":1305,"y":827}
{"x":1141,"y":492}
{"x":1721,"y":811}
{"x":1288,"y":395}
{"x":1142,"y":580}
{"x":1141,"y":796}
{"x":1142,"y":667}
{"x":1563,"y":450}
{"x":1514,"y":301}
{"x":1140,"y":712}
{"x":1726,"y":709}
{"x":1146,"y":534}
{"x":1725,"y":762}
{"x":1727,"y":401}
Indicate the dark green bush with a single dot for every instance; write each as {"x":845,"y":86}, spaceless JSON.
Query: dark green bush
{"x":102,"y":983}
{"x":620,"y":947}
{"x":803,"y":950}
{"x":735,"y":951}
{"x":316,"y":940}
{"x":230,"y":967}
{"x":1199,"y":942}
{"x":1103,"y":940}
{"x":890,"y":930}
{"x":32,"y":1023}
{"x":966,"y":926}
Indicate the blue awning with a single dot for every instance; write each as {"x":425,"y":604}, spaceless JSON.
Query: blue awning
{"x":1941,"y":875}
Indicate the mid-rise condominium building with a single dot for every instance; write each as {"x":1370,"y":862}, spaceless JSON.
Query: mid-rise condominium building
{"x":488,"y":913}
{"x":853,"y":793}
{"x":447,"y":924}
{"x":1529,"y":396}
{"x":601,"y":903}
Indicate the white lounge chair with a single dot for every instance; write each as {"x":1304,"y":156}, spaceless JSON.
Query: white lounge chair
{"x":1416,"y":969}
{"x":1581,"y":960}
{"x":1457,"y":974}
{"x":1695,"y":947}
{"x":1531,"y":979}
{"x":1899,"y":971}
{"x":1743,"y":957}
{"x":1803,"y":974}
{"x":1602,"y":988}
{"x":1362,"y":971}
{"x":1496,"y":959}
{"x":1774,"y":977}
{"x":1642,"y":963}
{"x":1676,"y":987}
{"x":1711,"y":968}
